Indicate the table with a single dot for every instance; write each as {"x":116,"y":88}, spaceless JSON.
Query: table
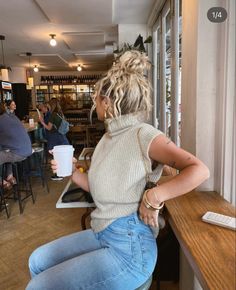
{"x":79,"y":204}
{"x":29,"y":128}
{"x":209,"y":249}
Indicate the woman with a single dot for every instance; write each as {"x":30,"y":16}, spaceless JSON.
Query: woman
{"x":119,"y":252}
{"x":15,"y":144}
{"x":10,"y":106}
{"x":46,"y":111}
{"x":54,"y":138}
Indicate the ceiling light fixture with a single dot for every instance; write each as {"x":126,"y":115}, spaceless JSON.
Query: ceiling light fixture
{"x":30,"y":80}
{"x":53,"y":41}
{"x":3,"y":68}
{"x":36,"y":69}
{"x":79,"y":67}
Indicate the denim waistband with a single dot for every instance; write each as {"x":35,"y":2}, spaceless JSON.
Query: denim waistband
{"x":133,"y":218}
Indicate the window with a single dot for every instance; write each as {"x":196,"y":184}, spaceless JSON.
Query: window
{"x":167,"y":70}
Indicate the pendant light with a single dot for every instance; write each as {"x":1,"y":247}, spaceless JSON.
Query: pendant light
{"x":3,"y":68}
{"x":53,"y":41}
{"x":79,"y":67}
{"x":36,"y":68}
{"x":30,"y":80}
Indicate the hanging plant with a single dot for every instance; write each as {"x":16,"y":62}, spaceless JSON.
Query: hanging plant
{"x":138,"y":45}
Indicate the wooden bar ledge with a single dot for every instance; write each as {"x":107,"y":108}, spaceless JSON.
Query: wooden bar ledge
{"x":209,"y":249}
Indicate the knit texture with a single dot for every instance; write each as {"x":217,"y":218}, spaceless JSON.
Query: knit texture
{"x":117,"y":175}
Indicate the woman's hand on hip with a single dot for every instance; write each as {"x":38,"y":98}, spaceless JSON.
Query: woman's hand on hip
{"x":148,"y":216}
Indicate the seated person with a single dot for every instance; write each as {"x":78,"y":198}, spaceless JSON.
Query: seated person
{"x":10,"y":106}
{"x":119,"y":251}
{"x":15,"y":144}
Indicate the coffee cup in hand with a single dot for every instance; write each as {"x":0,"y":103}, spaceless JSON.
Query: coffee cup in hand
{"x":63,"y":154}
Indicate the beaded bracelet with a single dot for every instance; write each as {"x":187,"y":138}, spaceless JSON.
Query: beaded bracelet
{"x":147,"y":203}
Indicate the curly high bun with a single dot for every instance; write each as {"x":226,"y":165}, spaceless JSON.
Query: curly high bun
{"x":126,"y":85}
{"x":134,"y":62}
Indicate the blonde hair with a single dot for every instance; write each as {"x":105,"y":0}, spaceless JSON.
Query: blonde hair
{"x":126,"y":85}
{"x":55,"y":106}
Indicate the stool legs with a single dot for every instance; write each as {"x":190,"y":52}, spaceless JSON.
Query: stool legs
{"x":41,"y":171}
{"x":35,"y":163}
{"x":27,"y":188}
{"x":3,"y":203}
{"x":3,"y":200}
{"x":23,"y":184}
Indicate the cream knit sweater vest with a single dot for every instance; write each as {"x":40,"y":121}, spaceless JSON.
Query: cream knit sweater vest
{"x":117,"y":173}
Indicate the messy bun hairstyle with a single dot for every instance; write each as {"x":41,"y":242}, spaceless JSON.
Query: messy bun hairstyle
{"x":126,"y":85}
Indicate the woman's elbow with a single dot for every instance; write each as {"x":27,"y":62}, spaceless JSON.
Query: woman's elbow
{"x":205,"y":172}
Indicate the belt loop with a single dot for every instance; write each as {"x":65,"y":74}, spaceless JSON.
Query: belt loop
{"x":136,"y":219}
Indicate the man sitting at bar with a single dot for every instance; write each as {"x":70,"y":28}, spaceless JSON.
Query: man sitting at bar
{"x":15,"y":144}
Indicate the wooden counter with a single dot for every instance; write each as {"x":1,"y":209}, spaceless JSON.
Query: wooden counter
{"x":210,"y":249}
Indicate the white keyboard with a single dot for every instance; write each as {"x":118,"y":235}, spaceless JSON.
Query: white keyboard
{"x":219,"y":220}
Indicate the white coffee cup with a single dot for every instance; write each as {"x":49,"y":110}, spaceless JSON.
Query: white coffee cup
{"x":63,"y":154}
{"x":31,"y":122}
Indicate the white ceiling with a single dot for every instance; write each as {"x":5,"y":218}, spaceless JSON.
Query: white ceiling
{"x":86,"y":31}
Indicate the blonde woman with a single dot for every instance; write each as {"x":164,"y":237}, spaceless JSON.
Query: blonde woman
{"x":119,"y":251}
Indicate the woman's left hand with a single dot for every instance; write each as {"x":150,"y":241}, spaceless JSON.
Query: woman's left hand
{"x":148,"y":216}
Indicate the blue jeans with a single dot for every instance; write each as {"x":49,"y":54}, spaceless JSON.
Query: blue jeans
{"x":122,"y":256}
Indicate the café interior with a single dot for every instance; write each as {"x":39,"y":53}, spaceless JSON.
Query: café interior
{"x":60,"y":49}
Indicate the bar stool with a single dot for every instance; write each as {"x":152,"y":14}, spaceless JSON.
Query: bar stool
{"x":42,"y":143}
{"x":23,"y":184}
{"x":3,"y":203}
{"x":36,"y":168}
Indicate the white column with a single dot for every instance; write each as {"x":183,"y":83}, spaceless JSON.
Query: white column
{"x":200,"y":45}
{"x":202,"y":76}
{"x":225,"y":173}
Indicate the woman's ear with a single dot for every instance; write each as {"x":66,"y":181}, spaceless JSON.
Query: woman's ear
{"x":106,"y":103}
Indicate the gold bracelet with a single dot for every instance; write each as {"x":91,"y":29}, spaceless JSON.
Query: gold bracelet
{"x":148,"y":204}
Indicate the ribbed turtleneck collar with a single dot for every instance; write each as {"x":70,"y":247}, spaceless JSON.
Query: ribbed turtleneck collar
{"x":116,"y":126}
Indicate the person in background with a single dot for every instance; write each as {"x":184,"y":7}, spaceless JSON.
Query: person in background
{"x":54,"y":121}
{"x":15,"y":144}
{"x":46,"y":111}
{"x":120,"y":250}
{"x":10,"y":106}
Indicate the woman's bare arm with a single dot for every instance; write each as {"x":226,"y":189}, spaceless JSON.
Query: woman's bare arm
{"x":81,"y":179}
{"x":78,"y":177}
{"x":48,"y":126}
{"x":192,"y":173}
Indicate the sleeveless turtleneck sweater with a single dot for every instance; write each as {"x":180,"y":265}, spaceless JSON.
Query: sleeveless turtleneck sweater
{"x":117,"y":175}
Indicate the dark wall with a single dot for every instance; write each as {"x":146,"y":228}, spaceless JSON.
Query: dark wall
{"x":21,"y":97}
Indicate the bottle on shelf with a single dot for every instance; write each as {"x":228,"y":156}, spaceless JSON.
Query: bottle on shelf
{"x":70,"y":79}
